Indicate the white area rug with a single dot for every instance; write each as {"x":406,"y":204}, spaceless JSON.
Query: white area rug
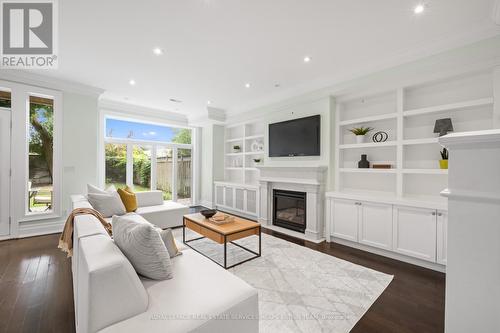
{"x":300,"y":290}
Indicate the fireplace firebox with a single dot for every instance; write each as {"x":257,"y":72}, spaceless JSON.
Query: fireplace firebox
{"x":289,"y":210}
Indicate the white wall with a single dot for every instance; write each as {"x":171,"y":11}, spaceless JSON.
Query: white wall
{"x":212,"y":157}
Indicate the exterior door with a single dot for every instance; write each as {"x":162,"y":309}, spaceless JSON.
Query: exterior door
{"x":4,"y":172}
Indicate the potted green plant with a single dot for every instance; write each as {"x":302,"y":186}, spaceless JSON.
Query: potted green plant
{"x":257,"y":160}
{"x":360,"y":133}
{"x":443,"y":163}
{"x":236,"y":148}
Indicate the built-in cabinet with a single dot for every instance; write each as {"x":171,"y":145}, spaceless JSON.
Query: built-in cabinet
{"x":415,"y":232}
{"x":238,"y":198}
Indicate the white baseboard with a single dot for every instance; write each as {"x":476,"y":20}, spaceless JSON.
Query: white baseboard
{"x":392,"y":255}
{"x":40,"y":228}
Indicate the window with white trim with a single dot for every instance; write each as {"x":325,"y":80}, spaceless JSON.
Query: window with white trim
{"x":147,"y":156}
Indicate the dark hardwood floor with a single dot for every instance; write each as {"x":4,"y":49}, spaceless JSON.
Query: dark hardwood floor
{"x":36,"y":289}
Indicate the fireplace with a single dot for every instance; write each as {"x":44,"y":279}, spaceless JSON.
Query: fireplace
{"x":289,"y":210}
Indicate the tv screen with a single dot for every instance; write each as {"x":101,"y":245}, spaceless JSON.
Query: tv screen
{"x":297,"y":137}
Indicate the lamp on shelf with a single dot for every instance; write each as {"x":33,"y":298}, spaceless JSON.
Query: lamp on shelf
{"x":443,"y":126}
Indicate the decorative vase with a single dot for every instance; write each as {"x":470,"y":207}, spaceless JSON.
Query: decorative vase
{"x":443,"y":164}
{"x":360,"y":138}
{"x":363,"y":163}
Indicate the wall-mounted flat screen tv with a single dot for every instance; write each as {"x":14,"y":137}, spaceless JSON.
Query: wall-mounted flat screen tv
{"x":297,"y":137}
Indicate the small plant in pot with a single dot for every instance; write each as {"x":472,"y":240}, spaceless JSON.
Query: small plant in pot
{"x":443,"y":163}
{"x":360,"y":133}
{"x":236,"y":148}
{"x":257,"y":160}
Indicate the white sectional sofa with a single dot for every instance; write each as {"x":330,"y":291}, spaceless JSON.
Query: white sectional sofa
{"x":163,"y":214}
{"x":110,"y":297}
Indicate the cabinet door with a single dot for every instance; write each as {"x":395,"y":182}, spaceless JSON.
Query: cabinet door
{"x":345,"y":219}
{"x":219,"y":195}
{"x":375,"y":225}
{"x":442,"y":237}
{"x":239,"y":198}
{"x":251,"y":201}
{"x":229,"y":196}
{"x":415,"y":232}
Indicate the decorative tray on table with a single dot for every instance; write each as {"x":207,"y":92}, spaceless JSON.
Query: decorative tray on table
{"x":221,"y":219}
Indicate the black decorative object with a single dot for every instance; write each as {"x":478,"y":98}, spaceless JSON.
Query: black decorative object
{"x":380,"y":137}
{"x":208,"y":213}
{"x":443,"y":126}
{"x":363,"y":163}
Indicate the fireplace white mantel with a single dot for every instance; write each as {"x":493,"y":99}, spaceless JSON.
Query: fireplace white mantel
{"x":309,"y":179}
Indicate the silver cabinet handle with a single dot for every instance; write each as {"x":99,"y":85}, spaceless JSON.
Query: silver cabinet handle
{"x":440,"y":214}
{"x":433,"y":213}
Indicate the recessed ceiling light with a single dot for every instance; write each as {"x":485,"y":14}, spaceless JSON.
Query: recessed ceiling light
{"x":307,"y":59}
{"x":131,"y":82}
{"x":209,"y":102}
{"x":173,"y":100}
{"x":277,"y":85}
{"x":419,"y":9}
{"x":247,"y":85}
{"x":157,"y":51}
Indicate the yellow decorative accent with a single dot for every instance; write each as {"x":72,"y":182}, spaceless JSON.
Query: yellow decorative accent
{"x":443,"y":164}
{"x":128,"y":198}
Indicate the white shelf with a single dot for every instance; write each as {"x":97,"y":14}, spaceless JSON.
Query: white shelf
{"x":234,"y":140}
{"x":254,"y":152}
{"x":260,"y":136}
{"x":251,"y":169}
{"x":420,"y":141}
{"x":368,"y":170}
{"x":368,"y":119}
{"x":235,"y":154}
{"x":368,"y":145}
{"x":449,"y":107}
{"x":234,"y":168}
{"x":426,"y":171}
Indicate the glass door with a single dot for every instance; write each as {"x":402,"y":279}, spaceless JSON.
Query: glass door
{"x":184,"y":176}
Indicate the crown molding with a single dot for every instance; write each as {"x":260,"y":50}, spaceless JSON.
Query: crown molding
{"x":44,"y":81}
{"x":496,"y":12}
{"x":142,"y":111}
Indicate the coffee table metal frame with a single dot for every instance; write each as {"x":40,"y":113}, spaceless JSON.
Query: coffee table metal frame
{"x":256,"y":255}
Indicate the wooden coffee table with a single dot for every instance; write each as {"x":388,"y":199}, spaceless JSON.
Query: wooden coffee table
{"x":222,"y":234}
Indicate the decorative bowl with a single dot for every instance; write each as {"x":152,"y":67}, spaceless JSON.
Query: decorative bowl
{"x":208,"y":213}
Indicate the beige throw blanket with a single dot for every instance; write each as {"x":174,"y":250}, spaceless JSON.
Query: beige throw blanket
{"x":66,"y":239}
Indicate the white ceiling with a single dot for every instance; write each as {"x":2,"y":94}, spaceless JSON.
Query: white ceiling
{"x":213,"y":47}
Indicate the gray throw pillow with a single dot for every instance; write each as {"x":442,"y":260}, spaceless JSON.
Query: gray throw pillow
{"x":169,"y":241}
{"x":142,"y":245}
{"x":108,"y":204}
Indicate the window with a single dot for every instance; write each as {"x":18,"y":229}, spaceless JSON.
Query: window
{"x":141,"y":168}
{"x":41,"y":154}
{"x":149,"y":156}
{"x":115,"y":164}
{"x":5,"y":101}
{"x":164,"y":171}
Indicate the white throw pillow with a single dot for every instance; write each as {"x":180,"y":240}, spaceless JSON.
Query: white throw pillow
{"x":107,"y":204}
{"x":142,"y":245}
{"x":168,"y":239}
{"x":94,"y":189}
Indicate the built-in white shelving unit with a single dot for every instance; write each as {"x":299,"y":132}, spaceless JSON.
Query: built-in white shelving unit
{"x":240,"y":167}
{"x":408,"y":114}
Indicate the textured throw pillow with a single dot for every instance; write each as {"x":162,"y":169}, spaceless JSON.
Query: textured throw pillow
{"x":107,"y":204}
{"x":94,"y":189}
{"x":128,"y":198}
{"x":169,"y":241}
{"x":142,"y":245}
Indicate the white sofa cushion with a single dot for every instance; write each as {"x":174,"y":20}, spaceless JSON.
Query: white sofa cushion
{"x":108,"y":204}
{"x":166,"y":215}
{"x":109,"y":289}
{"x":149,"y":198}
{"x":142,"y":245}
{"x":191,"y":301}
